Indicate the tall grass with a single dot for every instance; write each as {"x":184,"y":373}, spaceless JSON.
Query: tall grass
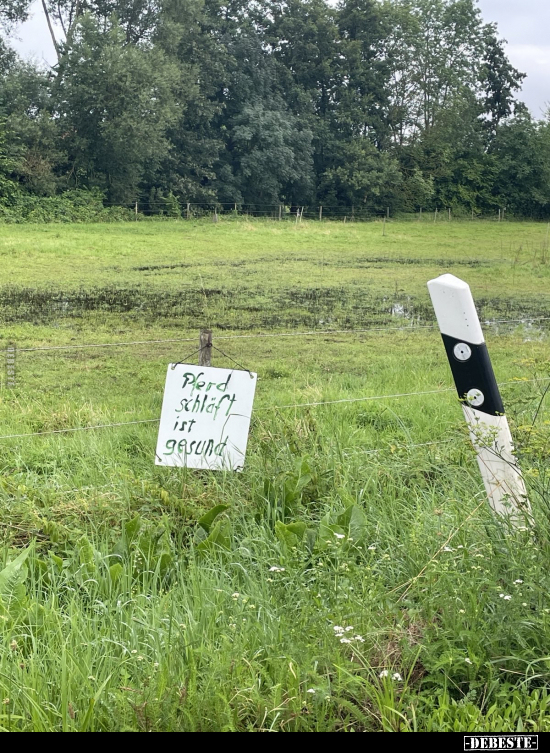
{"x":352,"y":577}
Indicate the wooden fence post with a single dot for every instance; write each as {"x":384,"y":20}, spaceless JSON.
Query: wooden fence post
{"x":205,"y":344}
{"x":136,"y":210}
{"x":388,"y":212}
{"x":188,"y":211}
{"x":435,"y":215}
{"x":449,"y":214}
{"x":320,"y":213}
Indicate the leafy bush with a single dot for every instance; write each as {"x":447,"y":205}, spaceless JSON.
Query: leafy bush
{"x":72,"y":206}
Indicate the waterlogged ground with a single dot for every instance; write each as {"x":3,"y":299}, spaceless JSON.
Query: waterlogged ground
{"x":352,"y":577}
{"x":237,"y":274}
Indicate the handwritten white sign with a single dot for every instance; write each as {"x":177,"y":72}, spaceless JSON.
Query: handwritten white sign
{"x":205,"y":417}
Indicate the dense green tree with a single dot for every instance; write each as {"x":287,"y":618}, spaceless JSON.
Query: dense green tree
{"x":521,"y":150}
{"x":115,"y":105}
{"x":32,"y":137}
{"x":371,"y":103}
{"x":8,"y":187}
{"x":361,"y":176}
{"x":498,"y":80}
{"x":364,"y":98}
{"x":434,"y":47}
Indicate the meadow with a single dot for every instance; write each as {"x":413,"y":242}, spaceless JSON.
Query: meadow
{"x":352,"y":577}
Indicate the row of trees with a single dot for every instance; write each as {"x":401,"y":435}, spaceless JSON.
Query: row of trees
{"x":399,"y":103}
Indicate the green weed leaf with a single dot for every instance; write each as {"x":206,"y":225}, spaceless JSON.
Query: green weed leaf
{"x":206,"y":521}
{"x":12,"y":583}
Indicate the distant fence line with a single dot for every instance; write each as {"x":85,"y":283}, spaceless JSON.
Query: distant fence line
{"x":172,"y":208}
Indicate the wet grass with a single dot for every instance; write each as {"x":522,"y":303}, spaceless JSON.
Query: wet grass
{"x":244,"y":636}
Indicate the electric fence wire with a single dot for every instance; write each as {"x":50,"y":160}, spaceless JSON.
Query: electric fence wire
{"x":516,"y":382}
{"x":309,"y":333}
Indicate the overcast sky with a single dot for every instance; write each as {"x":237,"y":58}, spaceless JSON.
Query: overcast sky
{"x":525,"y":24}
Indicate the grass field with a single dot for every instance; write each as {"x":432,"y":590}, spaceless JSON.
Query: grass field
{"x":357,"y":579}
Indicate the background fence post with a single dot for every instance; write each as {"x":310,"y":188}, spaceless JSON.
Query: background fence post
{"x":136,"y":210}
{"x":320,"y":213}
{"x":188,"y":212}
{"x":481,"y":401}
{"x":205,"y":344}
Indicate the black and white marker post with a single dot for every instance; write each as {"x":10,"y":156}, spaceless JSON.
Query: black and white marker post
{"x":481,"y":401}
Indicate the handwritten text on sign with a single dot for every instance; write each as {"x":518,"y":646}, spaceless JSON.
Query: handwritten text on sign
{"x":205,"y":417}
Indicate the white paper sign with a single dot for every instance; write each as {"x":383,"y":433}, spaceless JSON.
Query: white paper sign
{"x":205,"y":417}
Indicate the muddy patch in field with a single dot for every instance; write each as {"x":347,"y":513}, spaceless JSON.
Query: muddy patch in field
{"x":319,"y":260}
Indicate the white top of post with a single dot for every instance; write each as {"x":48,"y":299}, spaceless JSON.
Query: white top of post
{"x":454,"y":309}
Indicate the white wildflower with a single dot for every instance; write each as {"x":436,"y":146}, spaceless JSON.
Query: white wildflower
{"x":468,"y":661}
{"x":384,"y":673}
{"x":235,"y":595}
{"x":448,"y":549}
{"x":349,"y":628}
{"x":339,"y":535}
{"x":276,"y":569}
{"x":345,"y":640}
{"x":397,"y":677}
{"x":311,"y":690}
{"x":338,"y":629}
{"x":359,"y":638}
{"x":518,"y":582}
{"x":372,"y":548}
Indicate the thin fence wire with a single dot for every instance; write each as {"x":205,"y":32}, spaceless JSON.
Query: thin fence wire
{"x":308,"y":333}
{"x":517,"y":381}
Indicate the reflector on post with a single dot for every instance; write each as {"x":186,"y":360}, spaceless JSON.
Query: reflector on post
{"x":481,"y":401}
